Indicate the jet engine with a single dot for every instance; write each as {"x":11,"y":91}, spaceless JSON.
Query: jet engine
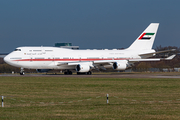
{"x":119,"y":66}
{"x":42,"y":70}
{"x":82,"y":68}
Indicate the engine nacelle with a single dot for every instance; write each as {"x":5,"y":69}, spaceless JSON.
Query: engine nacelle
{"x":119,"y":66}
{"x":42,"y":70}
{"x":82,"y":68}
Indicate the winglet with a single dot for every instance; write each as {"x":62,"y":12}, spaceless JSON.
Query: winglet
{"x":170,"y":57}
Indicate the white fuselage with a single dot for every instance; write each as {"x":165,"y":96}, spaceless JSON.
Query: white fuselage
{"x":84,"y":61}
{"x":51,"y":57}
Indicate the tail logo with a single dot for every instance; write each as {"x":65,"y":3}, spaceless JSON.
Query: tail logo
{"x":146,"y":36}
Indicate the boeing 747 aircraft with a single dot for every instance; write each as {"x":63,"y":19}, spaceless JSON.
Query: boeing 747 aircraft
{"x":83,"y":61}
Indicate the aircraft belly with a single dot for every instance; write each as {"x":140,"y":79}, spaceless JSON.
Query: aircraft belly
{"x":42,"y":65}
{"x":33,"y":64}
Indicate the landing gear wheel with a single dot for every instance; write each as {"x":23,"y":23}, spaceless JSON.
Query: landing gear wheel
{"x":68,"y":73}
{"x":78,"y":73}
{"x":89,"y":73}
{"x":22,"y":73}
{"x":84,"y":73}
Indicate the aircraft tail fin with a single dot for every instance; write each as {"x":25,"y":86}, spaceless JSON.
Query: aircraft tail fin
{"x":146,"y":39}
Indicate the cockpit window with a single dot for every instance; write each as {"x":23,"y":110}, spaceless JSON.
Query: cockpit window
{"x":17,"y":50}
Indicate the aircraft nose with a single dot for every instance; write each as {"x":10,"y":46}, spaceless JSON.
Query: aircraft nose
{"x":6,"y":59}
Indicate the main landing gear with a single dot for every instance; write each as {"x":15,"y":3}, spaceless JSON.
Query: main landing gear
{"x":68,"y":72}
{"x":22,"y":71}
{"x":84,"y":73}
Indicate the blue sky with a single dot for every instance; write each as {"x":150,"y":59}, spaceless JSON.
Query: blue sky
{"x":86,"y":23}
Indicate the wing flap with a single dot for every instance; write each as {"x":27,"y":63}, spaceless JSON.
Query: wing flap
{"x":72,"y":63}
{"x":104,"y":61}
{"x":141,"y":60}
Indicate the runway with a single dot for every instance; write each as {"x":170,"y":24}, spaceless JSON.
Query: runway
{"x":123,"y":75}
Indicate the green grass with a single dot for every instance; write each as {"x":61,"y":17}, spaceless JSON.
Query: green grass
{"x":85,"y":98}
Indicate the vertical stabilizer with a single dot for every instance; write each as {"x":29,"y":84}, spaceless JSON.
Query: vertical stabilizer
{"x":146,"y":39}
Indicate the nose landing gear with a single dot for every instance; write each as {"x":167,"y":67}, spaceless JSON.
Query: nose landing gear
{"x":22,"y":71}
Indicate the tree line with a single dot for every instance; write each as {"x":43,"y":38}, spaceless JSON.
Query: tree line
{"x":174,"y":63}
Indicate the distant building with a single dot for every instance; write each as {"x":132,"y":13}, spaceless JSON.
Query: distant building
{"x":2,"y":55}
{"x":62,"y":44}
{"x":66,"y":45}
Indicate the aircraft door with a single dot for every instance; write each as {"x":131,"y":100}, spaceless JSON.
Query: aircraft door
{"x":31,"y":59}
{"x":102,"y":57}
{"x":43,"y":51}
{"x":79,"y":57}
{"x":52,"y":58}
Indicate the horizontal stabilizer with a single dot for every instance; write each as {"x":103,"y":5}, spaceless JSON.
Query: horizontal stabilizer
{"x":144,"y":54}
{"x":152,"y":59}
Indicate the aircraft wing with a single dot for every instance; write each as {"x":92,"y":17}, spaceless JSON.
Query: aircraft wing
{"x":101,"y":64}
{"x":141,"y":60}
{"x":109,"y":62}
{"x":73,"y":63}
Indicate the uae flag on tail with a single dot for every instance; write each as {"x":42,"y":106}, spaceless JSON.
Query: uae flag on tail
{"x":146,"y":36}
